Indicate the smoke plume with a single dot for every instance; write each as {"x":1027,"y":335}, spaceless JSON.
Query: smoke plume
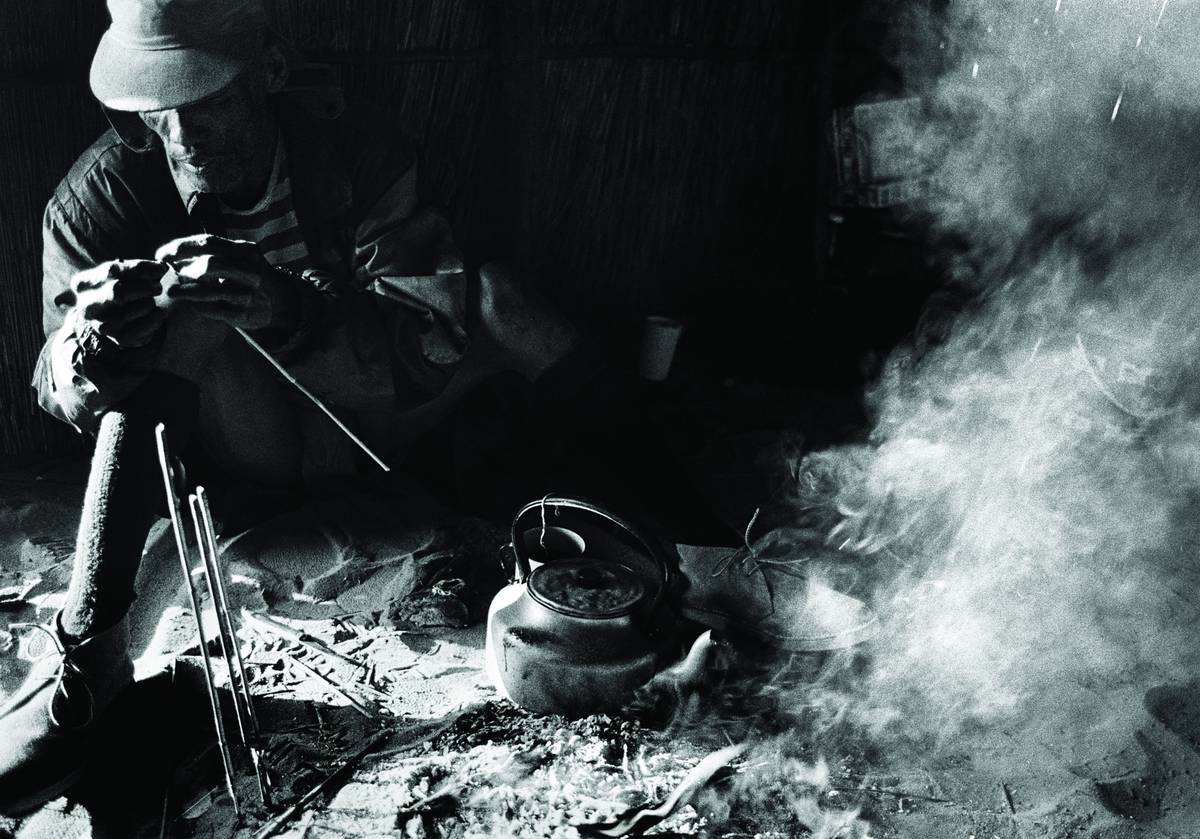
{"x":1029,"y":488}
{"x":1024,"y":516}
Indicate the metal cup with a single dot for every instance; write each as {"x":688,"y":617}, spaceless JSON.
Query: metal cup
{"x":660,"y":337}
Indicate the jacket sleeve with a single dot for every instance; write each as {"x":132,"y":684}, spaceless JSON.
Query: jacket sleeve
{"x":393,"y":332}
{"x":405,"y":254}
{"x":71,"y":384}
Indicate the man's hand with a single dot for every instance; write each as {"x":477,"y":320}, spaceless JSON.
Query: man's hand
{"x":230,"y":281}
{"x":116,"y":300}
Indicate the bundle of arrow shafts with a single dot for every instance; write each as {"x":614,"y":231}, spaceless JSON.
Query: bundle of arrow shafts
{"x":247,"y":747}
{"x":241,"y":747}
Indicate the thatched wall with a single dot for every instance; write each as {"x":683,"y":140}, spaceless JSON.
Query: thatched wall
{"x":630,"y":156}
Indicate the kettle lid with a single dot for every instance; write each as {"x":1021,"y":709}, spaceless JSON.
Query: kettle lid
{"x":561,"y":527}
{"x":587,"y":588}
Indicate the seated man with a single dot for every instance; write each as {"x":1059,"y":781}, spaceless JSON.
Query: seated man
{"x":233,"y":199}
{"x":283,"y":214}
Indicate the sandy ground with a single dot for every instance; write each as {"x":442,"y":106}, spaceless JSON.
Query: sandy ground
{"x":459,"y":761}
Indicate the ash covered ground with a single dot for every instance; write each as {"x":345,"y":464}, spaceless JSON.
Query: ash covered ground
{"x":824,"y":756}
{"x":1022,"y":515}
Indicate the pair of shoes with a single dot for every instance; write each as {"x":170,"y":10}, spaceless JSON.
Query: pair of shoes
{"x":48,"y":726}
{"x":746,"y":593}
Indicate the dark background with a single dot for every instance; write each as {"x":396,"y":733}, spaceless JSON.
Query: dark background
{"x":631,"y":157}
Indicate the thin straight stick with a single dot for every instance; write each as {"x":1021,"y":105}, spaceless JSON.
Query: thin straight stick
{"x":226,"y":643}
{"x":365,"y":710}
{"x":311,"y":397}
{"x":223,"y":614}
{"x":242,"y":702}
{"x":176,"y":514}
{"x":269,"y":625}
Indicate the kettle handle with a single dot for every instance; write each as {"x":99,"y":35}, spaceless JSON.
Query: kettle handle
{"x":521,"y":567}
{"x":514,"y":565}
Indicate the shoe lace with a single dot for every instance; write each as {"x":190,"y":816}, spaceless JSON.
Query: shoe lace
{"x":751,"y":561}
{"x":69,"y":675}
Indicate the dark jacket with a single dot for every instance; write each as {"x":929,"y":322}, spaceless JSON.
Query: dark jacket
{"x":383,"y":323}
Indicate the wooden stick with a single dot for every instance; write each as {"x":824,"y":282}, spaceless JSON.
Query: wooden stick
{"x":265,"y":623}
{"x":639,"y":819}
{"x":276,"y":824}
{"x":365,"y":710}
{"x":237,"y":670}
{"x":226,"y":642}
{"x":311,"y":397}
{"x":224,"y":618}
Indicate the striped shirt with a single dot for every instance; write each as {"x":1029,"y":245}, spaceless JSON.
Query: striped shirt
{"x":272,"y":221}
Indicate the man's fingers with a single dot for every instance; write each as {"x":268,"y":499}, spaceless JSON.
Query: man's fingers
{"x":140,"y":331}
{"x":115,"y":313}
{"x":205,"y":244}
{"x":201,"y":293}
{"x":212,"y":269}
{"x":116,"y":293}
{"x":188,"y":246}
{"x":141,"y":289}
{"x":135,"y":332}
{"x":134,"y":273}
{"x":138,"y":269}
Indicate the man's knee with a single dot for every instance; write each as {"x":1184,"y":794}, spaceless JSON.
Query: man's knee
{"x":162,"y":398}
{"x":522,"y":323}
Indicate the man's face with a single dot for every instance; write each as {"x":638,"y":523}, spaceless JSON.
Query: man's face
{"x":223,"y":144}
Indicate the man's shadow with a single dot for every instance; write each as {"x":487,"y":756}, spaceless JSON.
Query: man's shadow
{"x":157,"y":759}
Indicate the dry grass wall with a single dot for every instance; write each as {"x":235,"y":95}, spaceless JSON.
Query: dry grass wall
{"x":630,"y":156}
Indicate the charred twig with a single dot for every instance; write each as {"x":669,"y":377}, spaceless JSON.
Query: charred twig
{"x":446,"y":791}
{"x":274,"y":825}
{"x":356,"y":704}
{"x":268,"y":624}
{"x":431,"y":732}
{"x":640,"y":819}
{"x":379,"y":695}
{"x":15,"y":599}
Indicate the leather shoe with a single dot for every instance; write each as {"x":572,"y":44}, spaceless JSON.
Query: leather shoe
{"x":48,"y":726}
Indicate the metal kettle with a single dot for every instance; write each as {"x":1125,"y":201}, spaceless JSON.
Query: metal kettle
{"x":585,"y":619}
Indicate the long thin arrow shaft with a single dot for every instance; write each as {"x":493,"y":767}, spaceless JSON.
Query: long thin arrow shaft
{"x":311,"y":397}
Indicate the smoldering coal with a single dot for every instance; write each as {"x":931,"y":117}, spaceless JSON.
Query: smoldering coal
{"x":1028,"y":499}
